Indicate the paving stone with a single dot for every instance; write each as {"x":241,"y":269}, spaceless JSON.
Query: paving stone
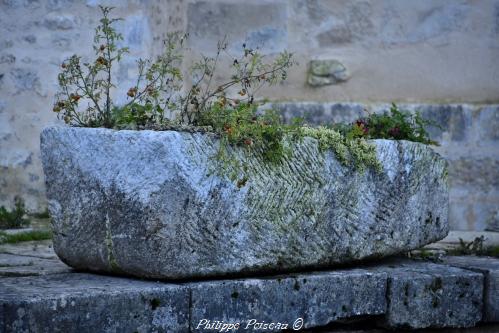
{"x":15,"y":265}
{"x":38,"y":249}
{"x":316,"y":298}
{"x":91,"y":303}
{"x":423,"y":294}
{"x":490,"y":268}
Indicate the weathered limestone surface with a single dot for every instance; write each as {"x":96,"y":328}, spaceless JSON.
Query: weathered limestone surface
{"x":148,"y":204}
{"x":317,"y":298}
{"x":91,"y":303}
{"x":489,"y":267}
{"x":423,"y":294}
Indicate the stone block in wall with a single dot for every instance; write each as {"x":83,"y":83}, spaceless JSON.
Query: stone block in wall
{"x":488,"y":126}
{"x":481,"y":173}
{"x":430,"y":22}
{"x":58,"y":21}
{"x":26,"y":80}
{"x":136,"y":32}
{"x":319,"y":113}
{"x":113,"y":3}
{"x":474,"y":210}
{"x":326,"y":72}
{"x":454,"y":119}
{"x":262,"y":24}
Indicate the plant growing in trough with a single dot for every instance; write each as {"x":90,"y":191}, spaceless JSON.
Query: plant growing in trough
{"x":161,"y":100}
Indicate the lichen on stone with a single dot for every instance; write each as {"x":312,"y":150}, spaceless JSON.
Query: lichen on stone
{"x":351,"y":152}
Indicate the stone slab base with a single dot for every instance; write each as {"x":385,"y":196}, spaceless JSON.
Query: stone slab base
{"x":490,"y":269}
{"x":398,"y":293}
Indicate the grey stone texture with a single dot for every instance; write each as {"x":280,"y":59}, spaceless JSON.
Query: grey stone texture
{"x":396,"y":293}
{"x":260,"y":25}
{"x":468,"y":140}
{"x":30,"y":258}
{"x":325,"y":72}
{"x":317,"y":298}
{"x":14,"y":265}
{"x":35,"y":37}
{"x":149,"y":204}
{"x":91,"y":303}
{"x":423,"y":294}
{"x":489,"y":267}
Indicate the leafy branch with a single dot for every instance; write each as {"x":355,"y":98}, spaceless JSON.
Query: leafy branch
{"x":159,"y":86}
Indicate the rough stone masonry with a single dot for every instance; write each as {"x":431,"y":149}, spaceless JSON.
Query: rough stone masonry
{"x":150,"y":204}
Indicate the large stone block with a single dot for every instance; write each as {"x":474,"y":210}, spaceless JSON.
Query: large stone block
{"x":320,"y":113}
{"x":91,"y":303}
{"x":423,"y":294}
{"x":307,"y":300}
{"x":488,"y":125}
{"x":149,"y":204}
{"x":490,"y":268}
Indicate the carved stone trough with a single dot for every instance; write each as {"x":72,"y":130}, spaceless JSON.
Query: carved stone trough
{"x":148,"y":204}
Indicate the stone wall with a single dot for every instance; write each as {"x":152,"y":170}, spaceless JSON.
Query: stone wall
{"x":434,"y":52}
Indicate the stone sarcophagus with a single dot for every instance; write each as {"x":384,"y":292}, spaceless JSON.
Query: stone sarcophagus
{"x":148,"y":204}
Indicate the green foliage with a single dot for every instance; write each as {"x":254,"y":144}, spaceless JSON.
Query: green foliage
{"x":91,"y":82}
{"x":243,"y":126}
{"x":15,"y":218}
{"x":34,"y":235}
{"x":264,"y":133}
{"x":354,"y":152}
{"x":131,"y":116}
{"x":85,"y":99}
{"x":493,"y":251}
{"x":395,"y":125}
